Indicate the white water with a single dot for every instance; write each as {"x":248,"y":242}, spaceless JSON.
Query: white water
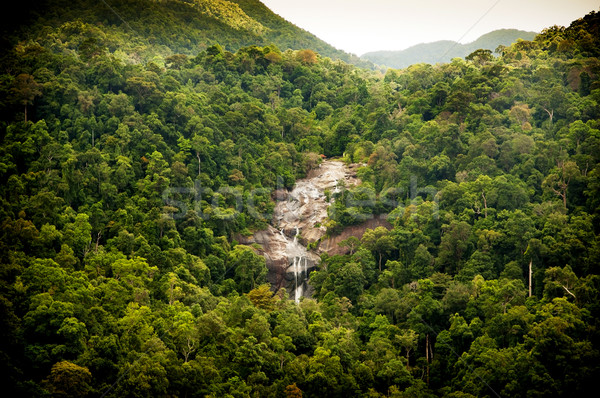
{"x":298,"y":254}
{"x":303,"y":212}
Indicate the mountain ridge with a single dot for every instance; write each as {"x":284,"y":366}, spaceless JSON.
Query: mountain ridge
{"x":445,"y":50}
{"x":192,"y":26}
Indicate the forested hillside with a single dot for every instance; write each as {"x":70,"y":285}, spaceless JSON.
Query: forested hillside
{"x":127,"y":173}
{"x":148,"y":30}
{"x":445,"y":50}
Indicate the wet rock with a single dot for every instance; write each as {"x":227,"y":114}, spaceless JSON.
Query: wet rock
{"x":297,"y":220}
{"x":306,"y":205}
{"x":280,"y":194}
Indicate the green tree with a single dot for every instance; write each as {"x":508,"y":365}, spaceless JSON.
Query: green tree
{"x":454,"y":245}
{"x":558,"y":181}
{"x":408,"y":339}
{"x":67,"y":379}
{"x":249,"y":268}
{"x":379,"y":241}
{"x":25,"y":89}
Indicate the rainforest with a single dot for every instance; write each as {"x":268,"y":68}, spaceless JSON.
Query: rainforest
{"x":199,"y":199}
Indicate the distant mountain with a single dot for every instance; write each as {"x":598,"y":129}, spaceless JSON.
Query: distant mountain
{"x":445,"y":50}
{"x":164,"y":27}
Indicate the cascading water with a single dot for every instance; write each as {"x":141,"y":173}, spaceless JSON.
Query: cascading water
{"x":298,"y":256}
{"x":298,"y":218}
{"x":300,"y":267}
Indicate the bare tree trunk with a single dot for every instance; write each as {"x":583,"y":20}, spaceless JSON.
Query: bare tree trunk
{"x":550,"y":114}
{"x":568,"y":291}
{"x":561,"y":194}
{"x":98,"y":241}
{"x":427,"y":355}
{"x":484,"y":205}
{"x":431,"y":351}
{"x":530,"y":263}
{"x":199,"y":163}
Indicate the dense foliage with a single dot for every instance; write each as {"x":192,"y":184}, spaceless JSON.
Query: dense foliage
{"x":142,"y":31}
{"x":125,"y":182}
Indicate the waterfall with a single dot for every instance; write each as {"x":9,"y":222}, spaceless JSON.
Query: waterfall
{"x":302,"y":210}
{"x":298,"y":269}
{"x":298,"y":291}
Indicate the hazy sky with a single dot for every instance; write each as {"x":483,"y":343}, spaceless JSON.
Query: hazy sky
{"x":360,"y":26}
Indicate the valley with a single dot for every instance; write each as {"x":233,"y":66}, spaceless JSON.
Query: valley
{"x":199,"y":199}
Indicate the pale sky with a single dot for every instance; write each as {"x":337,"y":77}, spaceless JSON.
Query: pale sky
{"x":360,"y":26}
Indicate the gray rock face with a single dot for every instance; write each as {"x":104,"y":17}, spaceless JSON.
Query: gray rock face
{"x":296,"y":222}
{"x":305,"y":207}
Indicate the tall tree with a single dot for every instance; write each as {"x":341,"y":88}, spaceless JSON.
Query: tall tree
{"x":26,"y":89}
